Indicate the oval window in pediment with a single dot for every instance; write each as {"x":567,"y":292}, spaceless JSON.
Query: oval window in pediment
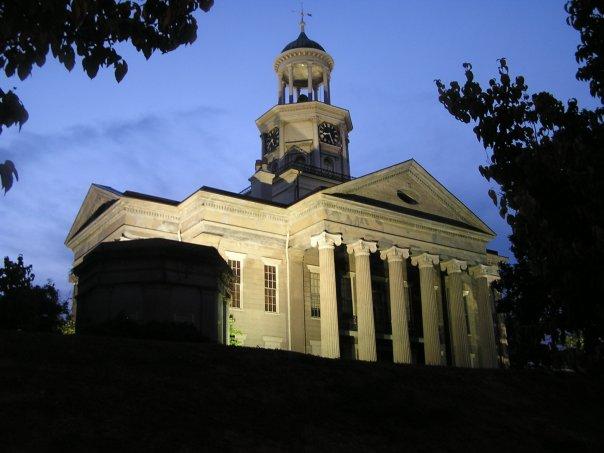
{"x":406,"y":197}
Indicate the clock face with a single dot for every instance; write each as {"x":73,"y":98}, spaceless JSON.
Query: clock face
{"x":330,"y":134}
{"x":271,"y":140}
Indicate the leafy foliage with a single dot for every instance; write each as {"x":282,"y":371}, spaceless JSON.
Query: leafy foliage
{"x":26,"y":306}
{"x":587,"y":17}
{"x":234,"y":333}
{"x":69,"y":327}
{"x":86,"y":30}
{"x":547,"y":160}
{"x":7,"y":172}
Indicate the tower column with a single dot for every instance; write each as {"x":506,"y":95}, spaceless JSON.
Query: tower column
{"x":330,"y":333}
{"x":325,"y":86}
{"x":457,"y":312}
{"x":280,"y":88}
{"x":365,"y":320}
{"x":487,"y":349}
{"x":397,"y":273}
{"x":426,"y":263}
{"x":310,"y":88}
{"x":290,"y":75}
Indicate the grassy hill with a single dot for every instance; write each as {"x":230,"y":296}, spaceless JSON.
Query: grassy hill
{"x":107,"y":394}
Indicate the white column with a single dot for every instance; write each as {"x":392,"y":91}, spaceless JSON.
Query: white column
{"x":280,"y":98}
{"x":397,"y":273}
{"x":325,"y":85}
{"x":487,"y":348}
{"x":457,"y":312}
{"x":365,"y":321}
{"x":310,"y":88}
{"x":430,"y":317}
{"x":290,"y":75}
{"x":330,"y":333}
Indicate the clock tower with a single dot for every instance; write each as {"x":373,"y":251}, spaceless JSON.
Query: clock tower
{"x":304,"y":139}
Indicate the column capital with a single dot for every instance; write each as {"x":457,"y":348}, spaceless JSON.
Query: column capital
{"x":453,"y":266}
{"x":325,"y":240}
{"x":424,"y":260}
{"x":394,"y":253}
{"x":362,"y":247}
{"x":491,"y":273}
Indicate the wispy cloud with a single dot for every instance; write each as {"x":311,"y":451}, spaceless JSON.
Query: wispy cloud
{"x":156,"y":153}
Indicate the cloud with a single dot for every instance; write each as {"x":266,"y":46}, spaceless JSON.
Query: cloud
{"x":157,"y":153}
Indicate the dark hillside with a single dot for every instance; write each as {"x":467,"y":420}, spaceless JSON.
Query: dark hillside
{"x":107,"y":394}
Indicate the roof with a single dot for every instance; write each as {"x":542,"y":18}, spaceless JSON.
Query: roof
{"x":303,"y":42}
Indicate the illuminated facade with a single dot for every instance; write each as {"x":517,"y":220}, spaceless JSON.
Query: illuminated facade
{"x":387,"y":266}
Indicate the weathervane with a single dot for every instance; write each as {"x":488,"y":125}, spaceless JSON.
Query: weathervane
{"x":302,"y":15}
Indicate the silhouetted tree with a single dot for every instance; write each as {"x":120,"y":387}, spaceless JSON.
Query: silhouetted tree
{"x":547,"y":160}
{"x":26,"y":306}
{"x":86,"y":30}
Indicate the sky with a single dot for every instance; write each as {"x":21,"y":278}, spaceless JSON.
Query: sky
{"x":186,"y":119}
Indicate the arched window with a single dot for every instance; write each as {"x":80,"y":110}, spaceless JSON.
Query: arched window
{"x":300,"y":159}
{"x":328,"y":164}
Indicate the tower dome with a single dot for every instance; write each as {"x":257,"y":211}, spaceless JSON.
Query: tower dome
{"x":303,"y":42}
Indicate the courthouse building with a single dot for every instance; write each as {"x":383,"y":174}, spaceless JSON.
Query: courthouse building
{"x":388,"y":266}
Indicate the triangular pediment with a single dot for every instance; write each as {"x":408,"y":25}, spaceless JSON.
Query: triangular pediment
{"x":98,"y":199}
{"x":408,"y":188}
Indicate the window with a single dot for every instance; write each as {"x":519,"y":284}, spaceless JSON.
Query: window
{"x":235,"y":266}
{"x":236,"y":262}
{"x":270,"y":288}
{"x":315,"y":299}
{"x":406,"y":197}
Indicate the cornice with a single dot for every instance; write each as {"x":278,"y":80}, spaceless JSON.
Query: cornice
{"x":380,"y":214}
{"x":324,"y":57}
{"x":122,"y":206}
{"x":105,"y":218}
{"x":305,"y":108}
{"x":241,"y":210}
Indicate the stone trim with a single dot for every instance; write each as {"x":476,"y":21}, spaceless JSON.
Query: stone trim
{"x":235,"y":256}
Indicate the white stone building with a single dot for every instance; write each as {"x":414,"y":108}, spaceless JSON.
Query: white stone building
{"x":388,"y":266}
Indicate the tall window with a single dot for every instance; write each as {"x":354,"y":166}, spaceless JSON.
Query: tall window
{"x":270,"y":288}
{"x":235,"y":266}
{"x":315,"y":299}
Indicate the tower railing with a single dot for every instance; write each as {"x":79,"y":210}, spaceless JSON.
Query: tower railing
{"x":313,"y":170}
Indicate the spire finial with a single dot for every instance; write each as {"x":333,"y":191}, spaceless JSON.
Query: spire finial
{"x":302,"y":15}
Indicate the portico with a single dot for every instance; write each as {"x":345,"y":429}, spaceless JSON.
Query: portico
{"x":431,"y":268}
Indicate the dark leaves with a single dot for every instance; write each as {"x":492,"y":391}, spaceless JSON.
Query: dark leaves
{"x":546,"y":158}
{"x":11,"y":110}
{"x":493,"y":196}
{"x":587,"y":17}
{"x":7,"y":171}
{"x":121,"y":69}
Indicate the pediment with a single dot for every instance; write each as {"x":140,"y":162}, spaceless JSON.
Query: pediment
{"x":98,"y":200}
{"x":408,"y":188}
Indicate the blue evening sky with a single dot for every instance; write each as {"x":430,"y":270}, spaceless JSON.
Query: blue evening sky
{"x":186,"y":119}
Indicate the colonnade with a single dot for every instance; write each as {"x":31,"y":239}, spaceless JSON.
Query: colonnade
{"x":313,"y":89}
{"x":429,"y":266}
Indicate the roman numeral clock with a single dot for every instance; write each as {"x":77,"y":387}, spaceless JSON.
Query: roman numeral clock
{"x":330,"y":134}
{"x":271,"y":140}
